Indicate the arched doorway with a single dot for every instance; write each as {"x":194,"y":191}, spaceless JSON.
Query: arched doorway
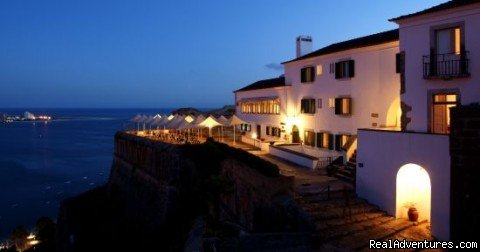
{"x":295,"y":134}
{"x":413,"y":187}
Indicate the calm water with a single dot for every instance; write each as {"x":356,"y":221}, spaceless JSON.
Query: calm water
{"x":41,"y":164}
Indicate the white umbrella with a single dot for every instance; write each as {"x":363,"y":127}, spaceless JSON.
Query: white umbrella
{"x":210,"y":122}
{"x":176,"y":120}
{"x":136,"y":119}
{"x":156,"y":122}
{"x":233,"y":121}
{"x":164,"y":120}
{"x":224,"y":121}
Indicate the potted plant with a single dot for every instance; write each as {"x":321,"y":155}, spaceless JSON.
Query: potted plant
{"x":412,"y":211}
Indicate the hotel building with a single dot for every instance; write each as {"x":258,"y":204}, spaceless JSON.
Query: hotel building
{"x":387,"y":95}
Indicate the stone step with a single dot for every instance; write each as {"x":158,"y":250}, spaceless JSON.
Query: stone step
{"x":360,"y":240}
{"x":342,"y":177}
{"x":356,"y":218}
{"x":349,"y":228}
{"x":340,"y":212}
{"x":347,"y":172}
{"x":351,"y":164}
{"x":333,"y":203}
{"x":310,"y":197}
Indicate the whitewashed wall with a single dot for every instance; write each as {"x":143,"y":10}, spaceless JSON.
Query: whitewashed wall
{"x":375,"y":88}
{"x":382,"y":153}
{"x":415,"y":41}
{"x":283,"y":93}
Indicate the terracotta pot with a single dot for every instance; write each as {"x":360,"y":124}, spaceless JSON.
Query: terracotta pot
{"x":412,"y":214}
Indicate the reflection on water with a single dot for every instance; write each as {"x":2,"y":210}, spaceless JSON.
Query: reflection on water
{"x":42,"y":164}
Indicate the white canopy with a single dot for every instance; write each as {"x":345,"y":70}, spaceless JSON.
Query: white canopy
{"x":136,"y":118}
{"x":149,"y":119}
{"x":164,"y":120}
{"x":235,"y":120}
{"x":156,"y":121}
{"x":175,"y":120}
{"x":143,"y":118}
{"x":210,"y":122}
{"x":192,"y":124}
{"x":223,"y":120}
{"x":157,"y":116}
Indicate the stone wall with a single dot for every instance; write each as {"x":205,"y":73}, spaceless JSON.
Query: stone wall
{"x":144,"y":177}
{"x":260,"y":203}
{"x":465,"y":175}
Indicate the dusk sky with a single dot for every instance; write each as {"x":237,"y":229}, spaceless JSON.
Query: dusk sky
{"x":119,"y":53}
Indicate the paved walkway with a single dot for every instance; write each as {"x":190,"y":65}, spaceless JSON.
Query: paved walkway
{"x":306,"y":180}
{"x":343,"y":221}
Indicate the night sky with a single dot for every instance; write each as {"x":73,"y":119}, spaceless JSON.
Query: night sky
{"x":119,"y":53}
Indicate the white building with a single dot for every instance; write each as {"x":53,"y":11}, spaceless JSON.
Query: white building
{"x":325,"y":96}
{"x":440,"y":50}
{"x":394,"y":89}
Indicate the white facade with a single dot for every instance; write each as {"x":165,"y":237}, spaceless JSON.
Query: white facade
{"x":380,"y":157}
{"x":416,"y":39}
{"x":282,"y":93}
{"x":374,"y":91}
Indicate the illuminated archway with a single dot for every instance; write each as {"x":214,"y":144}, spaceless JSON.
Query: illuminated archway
{"x":413,"y":186}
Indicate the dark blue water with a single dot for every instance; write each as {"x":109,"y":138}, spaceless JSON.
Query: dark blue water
{"x":41,"y":164}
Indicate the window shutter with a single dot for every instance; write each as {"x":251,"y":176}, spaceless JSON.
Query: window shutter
{"x":338,"y":142}
{"x":351,"y":68}
{"x":337,"y":70}
{"x":319,"y":139}
{"x":302,"y":75}
{"x":330,"y":141}
{"x":338,"y":106}
{"x":397,"y":63}
{"x":312,"y":74}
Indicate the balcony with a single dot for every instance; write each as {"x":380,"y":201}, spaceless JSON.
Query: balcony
{"x":446,"y":66}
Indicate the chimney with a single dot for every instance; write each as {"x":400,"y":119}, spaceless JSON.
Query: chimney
{"x":304,"y":45}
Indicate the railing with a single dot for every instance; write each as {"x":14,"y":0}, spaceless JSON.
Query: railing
{"x":323,"y":162}
{"x":446,"y":66}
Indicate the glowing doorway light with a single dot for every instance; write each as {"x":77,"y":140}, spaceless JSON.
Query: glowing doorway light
{"x":413,"y":187}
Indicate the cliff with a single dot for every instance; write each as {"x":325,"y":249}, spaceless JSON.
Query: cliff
{"x":156,"y":191}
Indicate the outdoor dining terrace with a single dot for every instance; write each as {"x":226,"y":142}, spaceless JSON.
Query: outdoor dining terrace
{"x":181,"y":129}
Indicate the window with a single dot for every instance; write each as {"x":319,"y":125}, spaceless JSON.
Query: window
{"x":441,"y":105}
{"x":319,"y":103}
{"x":344,"y":69}
{"x":331,"y":102}
{"x":323,"y":140}
{"x":261,"y":107}
{"x":308,"y":106}
{"x":273,"y":131}
{"x":340,"y":141}
{"x":447,"y":41}
{"x":245,"y":127}
{"x":343,"y":106}
{"x":309,"y":138}
{"x":307,"y":75}
{"x":399,"y":62}
{"x":319,"y":69}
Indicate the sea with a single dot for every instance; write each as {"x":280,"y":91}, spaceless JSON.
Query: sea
{"x":42,"y":164}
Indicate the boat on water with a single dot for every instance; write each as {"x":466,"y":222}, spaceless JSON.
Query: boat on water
{"x":27,"y":116}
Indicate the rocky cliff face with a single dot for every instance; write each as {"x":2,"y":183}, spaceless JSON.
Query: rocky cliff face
{"x":144,"y":178}
{"x":156,"y":190}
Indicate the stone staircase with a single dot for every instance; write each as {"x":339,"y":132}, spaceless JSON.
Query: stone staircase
{"x":345,"y":222}
{"x":347,"y":172}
